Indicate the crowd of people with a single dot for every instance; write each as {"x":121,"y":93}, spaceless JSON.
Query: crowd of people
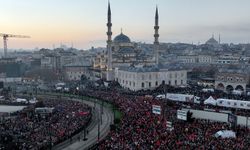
{"x":141,"y":129}
{"x":29,"y":129}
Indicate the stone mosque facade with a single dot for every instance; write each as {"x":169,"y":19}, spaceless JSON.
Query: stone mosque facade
{"x":125,"y":63}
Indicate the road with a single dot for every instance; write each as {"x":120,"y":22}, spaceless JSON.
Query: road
{"x":92,"y":137}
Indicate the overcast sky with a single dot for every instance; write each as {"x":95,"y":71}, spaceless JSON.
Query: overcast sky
{"x":83,"y":22}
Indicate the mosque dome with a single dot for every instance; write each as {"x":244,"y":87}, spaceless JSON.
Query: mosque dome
{"x":212,"y":41}
{"x":121,"y":38}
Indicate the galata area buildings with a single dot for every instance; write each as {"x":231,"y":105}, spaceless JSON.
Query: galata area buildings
{"x":125,"y":62}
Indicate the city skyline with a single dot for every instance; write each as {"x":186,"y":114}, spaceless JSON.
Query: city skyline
{"x":83,"y":23}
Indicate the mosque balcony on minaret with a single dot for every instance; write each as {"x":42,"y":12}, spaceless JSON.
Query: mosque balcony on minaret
{"x":156,"y":35}
{"x":156,"y":27}
{"x":109,"y":24}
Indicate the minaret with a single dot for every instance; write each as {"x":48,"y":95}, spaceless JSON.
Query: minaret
{"x":156,"y":36}
{"x":219,"y":38}
{"x":109,"y":49}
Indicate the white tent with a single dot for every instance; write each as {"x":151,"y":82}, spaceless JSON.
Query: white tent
{"x":225,"y":134}
{"x":21,"y":100}
{"x":208,"y":90}
{"x":210,"y":101}
{"x":237,"y":92}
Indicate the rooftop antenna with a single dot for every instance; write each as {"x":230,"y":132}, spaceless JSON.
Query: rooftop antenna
{"x":121,"y":31}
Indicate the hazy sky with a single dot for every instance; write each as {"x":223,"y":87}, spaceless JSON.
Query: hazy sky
{"x":83,"y":22}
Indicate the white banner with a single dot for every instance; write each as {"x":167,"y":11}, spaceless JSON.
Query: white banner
{"x":156,"y":109}
{"x":233,"y":103}
{"x":182,"y":115}
{"x":169,"y":124}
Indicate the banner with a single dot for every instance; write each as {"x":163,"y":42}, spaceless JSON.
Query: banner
{"x":233,"y":103}
{"x":156,"y":109}
{"x":169,"y":124}
{"x":182,"y":115}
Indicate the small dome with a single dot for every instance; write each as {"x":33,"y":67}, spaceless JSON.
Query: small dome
{"x":122,"y":38}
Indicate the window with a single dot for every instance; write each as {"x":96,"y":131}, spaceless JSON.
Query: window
{"x":169,"y":82}
{"x":175,"y":82}
{"x":163,"y":82}
{"x":150,"y":77}
{"x":134,"y":84}
{"x":142,"y":77}
{"x":149,"y":84}
{"x":170,"y":75}
{"x":156,"y":76}
{"x":181,"y":81}
{"x":156,"y":83}
{"x":142,"y":84}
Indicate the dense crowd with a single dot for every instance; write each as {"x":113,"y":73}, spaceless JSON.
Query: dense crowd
{"x":31,"y":130}
{"x":141,"y":129}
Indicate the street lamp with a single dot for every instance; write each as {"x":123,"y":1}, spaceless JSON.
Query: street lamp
{"x":84,"y":133}
{"x":165,"y":104}
{"x":114,"y":112}
{"x":101,"y":111}
{"x":99,"y":114}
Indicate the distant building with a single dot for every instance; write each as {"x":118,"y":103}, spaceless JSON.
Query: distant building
{"x":74,"y":71}
{"x":49,"y":62}
{"x":11,"y":70}
{"x":228,"y":59}
{"x":197,"y":58}
{"x":229,"y":79}
{"x":212,"y":42}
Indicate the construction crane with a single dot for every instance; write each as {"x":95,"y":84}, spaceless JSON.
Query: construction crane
{"x":5,"y":38}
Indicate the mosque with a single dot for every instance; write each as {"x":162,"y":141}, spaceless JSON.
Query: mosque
{"x":126,"y":63}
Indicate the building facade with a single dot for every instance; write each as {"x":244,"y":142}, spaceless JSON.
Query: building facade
{"x":126,"y":63}
{"x":74,"y":71}
{"x":232,"y":79}
{"x":148,"y":78}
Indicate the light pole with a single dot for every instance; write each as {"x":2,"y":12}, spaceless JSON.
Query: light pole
{"x":95,"y":103}
{"x":101,"y":111}
{"x":98,"y":126}
{"x":114,"y":112}
{"x":165,"y":103}
{"x":102,"y":107}
{"x":84,"y":133}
